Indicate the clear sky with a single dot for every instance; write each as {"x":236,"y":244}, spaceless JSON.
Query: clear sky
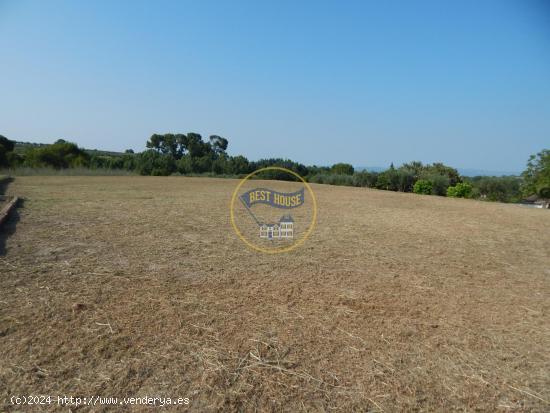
{"x":369,"y":83}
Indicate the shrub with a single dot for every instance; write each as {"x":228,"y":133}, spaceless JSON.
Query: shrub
{"x":342,"y":169}
{"x":365,"y":178}
{"x":388,"y":180}
{"x":239,"y":165}
{"x":440,"y":183}
{"x":405,"y":179}
{"x":151,"y":162}
{"x":60,"y":155}
{"x":299,"y":168}
{"x":7,"y":156}
{"x":3,"y":156}
{"x":460,"y":190}
{"x":544,"y":192}
{"x":423,"y":186}
{"x":502,"y":188}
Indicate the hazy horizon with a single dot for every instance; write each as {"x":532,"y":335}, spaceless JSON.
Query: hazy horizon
{"x":372,"y":168}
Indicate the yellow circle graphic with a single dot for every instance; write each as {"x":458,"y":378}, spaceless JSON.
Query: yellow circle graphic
{"x":280,"y":249}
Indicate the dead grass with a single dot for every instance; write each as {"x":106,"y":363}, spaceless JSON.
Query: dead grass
{"x":132,"y":286}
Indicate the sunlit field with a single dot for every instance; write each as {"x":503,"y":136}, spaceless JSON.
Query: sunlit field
{"x":132,"y":286}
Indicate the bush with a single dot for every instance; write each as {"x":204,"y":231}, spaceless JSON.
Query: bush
{"x":544,"y":192}
{"x":537,"y":175}
{"x":365,"y":178}
{"x":7,"y":156}
{"x":492,"y":188}
{"x":460,"y":190}
{"x":202,"y":164}
{"x":342,"y":169}
{"x":60,"y":155}
{"x":388,"y":180}
{"x":238,"y":165}
{"x":423,"y":186}
{"x":440,"y":183}
{"x":151,"y":162}
{"x":405,"y":179}
{"x":3,"y":156}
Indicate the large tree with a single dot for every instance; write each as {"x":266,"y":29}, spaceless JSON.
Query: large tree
{"x":6,"y":147}
{"x":195,"y":146}
{"x":415,"y":167}
{"x":167,"y":144}
{"x":218,"y":144}
{"x":191,"y":144}
{"x":342,"y":169}
{"x":536,"y":178}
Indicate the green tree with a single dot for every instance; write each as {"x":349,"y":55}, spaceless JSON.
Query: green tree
{"x":7,"y":144}
{"x":299,"y":168}
{"x":59,"y":155}
{"x":405,"y":180}
{"x":441,"y":169}
{"x":152,"y":162}
{"x":195,"y":146}
{"x":238,"y":165}
{"x":203,"y":164}
{"x":415,"y":167}
{"x":423,"y":186}
{"x":493,"y":188}
{"x":460,"y":190}
{"x":342,"y":169}
{"x":155,"y":142}
{"x":389,"y":179}
{"x":167,"y":144}
{"x":185,"y":165}
{"x":365,"y":178}
{"x":218,"y":144}
{"x":3,"y":157}
{"x":536,"y":178}
{"x":440,"y":183}
{"x":6,"y":151}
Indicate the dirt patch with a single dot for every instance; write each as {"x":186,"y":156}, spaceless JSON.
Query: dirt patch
{"x":133,"y":286}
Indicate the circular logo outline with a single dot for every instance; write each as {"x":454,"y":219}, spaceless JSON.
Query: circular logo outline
{"x":273,"y":250}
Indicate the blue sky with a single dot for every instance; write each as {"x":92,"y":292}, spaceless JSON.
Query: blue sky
{"x":465,"y":82}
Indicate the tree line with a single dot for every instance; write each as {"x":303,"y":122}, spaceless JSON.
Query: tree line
{"x":190,"y":154}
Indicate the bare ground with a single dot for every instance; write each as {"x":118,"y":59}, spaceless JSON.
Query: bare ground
{"x":133,"y":286}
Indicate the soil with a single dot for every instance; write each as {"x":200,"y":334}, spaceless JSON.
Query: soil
{"x":135,"y":286}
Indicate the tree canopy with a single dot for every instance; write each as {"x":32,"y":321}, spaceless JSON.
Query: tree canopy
{"x":189,"y":153}
{"x":536,"y":178}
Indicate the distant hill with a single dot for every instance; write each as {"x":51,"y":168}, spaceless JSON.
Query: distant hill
{"x":369,"y":168}
{"x":483,"y":172}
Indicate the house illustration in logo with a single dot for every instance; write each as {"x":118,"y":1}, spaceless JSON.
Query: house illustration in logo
{"x":284,"y":229}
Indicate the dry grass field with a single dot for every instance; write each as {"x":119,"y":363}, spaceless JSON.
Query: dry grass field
{"x":133,"y":286}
